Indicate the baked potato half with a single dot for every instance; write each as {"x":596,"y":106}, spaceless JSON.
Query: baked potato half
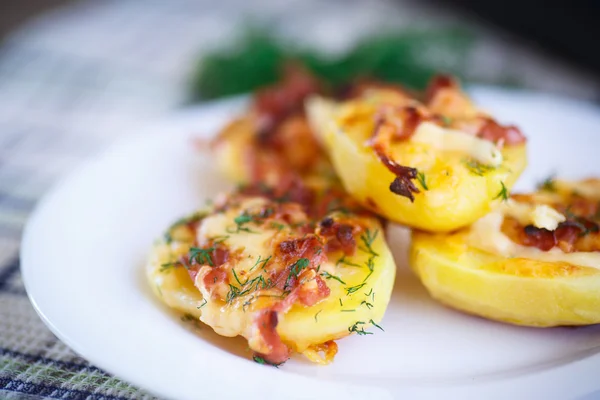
{"x":290,"y":269}
{"x":535,"y":261}
{"x":435,"y":163}
{"x":273,"y":141}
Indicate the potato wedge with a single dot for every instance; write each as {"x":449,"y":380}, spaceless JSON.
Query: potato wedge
{"x":508,"y":269}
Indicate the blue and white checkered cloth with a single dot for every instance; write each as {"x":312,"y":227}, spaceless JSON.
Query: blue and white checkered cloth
{"x":74,"y":80}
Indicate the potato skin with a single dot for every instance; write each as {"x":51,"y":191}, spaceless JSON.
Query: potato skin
{"x":456,"y":193}
{"x":517,"y":291}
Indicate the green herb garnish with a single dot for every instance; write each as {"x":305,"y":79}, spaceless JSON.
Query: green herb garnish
{"x":359,"y":330}
{"x":503,"y":194}
{"x":327,"y":275}
{"x":549,"y":184}
{"x":422,"y":180}
{"x":374,"y":324}
{"x":202,"y":256}
{"x":477,"y":168}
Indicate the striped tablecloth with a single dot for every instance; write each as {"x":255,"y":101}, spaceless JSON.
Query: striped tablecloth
{"x":74,"y":80}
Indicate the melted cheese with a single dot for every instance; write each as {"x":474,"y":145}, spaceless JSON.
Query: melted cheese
{"x":540,"y":215}
{"x":444,"y":139}
{"x":486,"y":235}
{"x":253,"y":244}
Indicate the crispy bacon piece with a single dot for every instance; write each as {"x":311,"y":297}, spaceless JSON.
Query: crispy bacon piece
{"x":290,"y":252}
{"x":313,"y":292}
{"x":541,"y":238}
{"x":266,"y":322}
{"x":275,"y":103}
{"x":338,"y":236}
{"x":494,"y":132}
{"x":438,"y":83}
{"x":402,"y":185}
{"x":569,"y":236}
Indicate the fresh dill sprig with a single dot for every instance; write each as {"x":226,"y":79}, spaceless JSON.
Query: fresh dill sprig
{"x":202,"y":256}
{"x":260,"y":261}
{"x":355,"y":288}
{"x":167,"y":266}
{"x":503,"y":194}
{"x":327,"y":275}
{"x":295,"y":270}
{"x":317,"y":315}
{"x":359,"y":330}
{"x":422,"y":180}
{"x":202,"y":305}
{"x":367,"y":239}
{"x":375,"y":324}
{"x":342,"y":260}
{"x":367,"y":304}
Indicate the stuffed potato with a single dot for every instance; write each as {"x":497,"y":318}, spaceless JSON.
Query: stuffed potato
{"x":436,"y":165}
{"x":535,"y":261}
{"x":273,"y":141}
{"x":290,"y":269}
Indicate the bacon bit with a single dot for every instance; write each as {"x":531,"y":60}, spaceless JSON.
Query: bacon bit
{"x":266,"y":323}
{"x":403,"y":184}
{"x":338,"y":236}
{"x":290,"y":251}
{"x":438,"y":83}
{"x":400,"y":125}
{"x":310,"y":295}
{"x":214,"y":277}
{"x":273,"y":104}
{"x":566,"y":235}
{"x":371,"y":203}
{"x":496,"y":133}
{"x":541,"y":238}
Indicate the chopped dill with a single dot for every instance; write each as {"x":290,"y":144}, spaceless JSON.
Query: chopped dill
{"x":260,"y":261}
{"x":343,"y":261}
{"x":317,"y":315}
{"x":368,"y":238}
{"x":355,"y":288}
{"x":375,"y":324}
{"x":366,"y":303}
{"x":358,"y":330}
{"x":202,"y":305}
{"x":503,"y":194}
{"x":422,"y":180}
{"x":202,"y":256}
{"x":167,"y":266}
{"x":327,"y":275}
{"x":295,"y":270}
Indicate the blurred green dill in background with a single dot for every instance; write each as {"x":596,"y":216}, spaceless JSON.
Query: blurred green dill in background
{"x":409,"y":57}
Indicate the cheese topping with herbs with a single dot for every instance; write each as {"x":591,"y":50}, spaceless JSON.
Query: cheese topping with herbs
{"x":445,"y":139}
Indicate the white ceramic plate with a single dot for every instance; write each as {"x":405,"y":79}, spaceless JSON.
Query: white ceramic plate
{"x":85,"y":246}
